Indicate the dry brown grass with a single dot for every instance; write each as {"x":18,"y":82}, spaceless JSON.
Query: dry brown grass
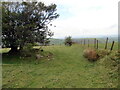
{"x":90,"y":54}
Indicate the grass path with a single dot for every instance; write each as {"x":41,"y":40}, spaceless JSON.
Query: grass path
{"x":67,"y":69}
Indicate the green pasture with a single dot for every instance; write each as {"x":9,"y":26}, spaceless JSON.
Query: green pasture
{"x":67,"y":68}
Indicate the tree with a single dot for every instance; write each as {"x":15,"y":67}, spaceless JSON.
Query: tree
{"x":68,"y":41}
{"x":26,"y":22}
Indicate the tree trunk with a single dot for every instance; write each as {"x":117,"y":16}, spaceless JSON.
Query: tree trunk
{"x":21,"y":48}
{"x":13,"y":49}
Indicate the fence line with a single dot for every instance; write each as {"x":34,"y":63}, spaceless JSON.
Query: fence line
{"x":96,"y":43}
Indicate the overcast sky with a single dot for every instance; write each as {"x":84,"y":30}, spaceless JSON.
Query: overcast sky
{"x":84,"y":18}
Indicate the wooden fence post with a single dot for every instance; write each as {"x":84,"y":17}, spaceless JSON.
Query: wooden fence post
{"x":95,"y":43}
{"x":112,"y":45}
{"x":81,"y":42}
{"x":106,"y":43}
{"x":84,"y":42}
{"x":88,"y":42}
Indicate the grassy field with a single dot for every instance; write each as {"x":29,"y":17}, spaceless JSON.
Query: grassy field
{"x":67,"y":68}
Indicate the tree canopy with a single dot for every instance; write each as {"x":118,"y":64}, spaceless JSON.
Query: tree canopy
{"x":26,"y":22}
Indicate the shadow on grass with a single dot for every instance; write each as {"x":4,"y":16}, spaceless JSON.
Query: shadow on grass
{"x":17,"y":58}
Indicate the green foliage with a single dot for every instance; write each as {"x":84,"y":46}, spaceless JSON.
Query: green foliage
{"x":115,"y":56}
{"x":68,"y":41}
{"x":26,"y":22}
{"x":27,"y":50}
{"x":102,"y":52}
{"x":35,"y":44}
{"x":28,"y":47}
{"x":47,"y":42}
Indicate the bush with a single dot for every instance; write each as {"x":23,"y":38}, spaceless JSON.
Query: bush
{"x":68,"y":41}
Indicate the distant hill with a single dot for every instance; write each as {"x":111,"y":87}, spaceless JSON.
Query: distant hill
{"x":101,"y":40}
{"x":78,"y":40}
{"x":56,"y":41}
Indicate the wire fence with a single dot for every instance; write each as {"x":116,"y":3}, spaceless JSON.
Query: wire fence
{"x":99,"y":43}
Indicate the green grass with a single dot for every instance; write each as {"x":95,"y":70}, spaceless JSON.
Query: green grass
{"x":4,"y":50}
{"x":66,"y":69}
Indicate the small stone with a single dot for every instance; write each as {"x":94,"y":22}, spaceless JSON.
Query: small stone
{"x":41,"y":56}
{"x":48,"y":59}
{"x":38,"y":56}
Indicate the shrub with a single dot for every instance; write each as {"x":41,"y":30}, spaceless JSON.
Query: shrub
{"x":68,"y":41}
